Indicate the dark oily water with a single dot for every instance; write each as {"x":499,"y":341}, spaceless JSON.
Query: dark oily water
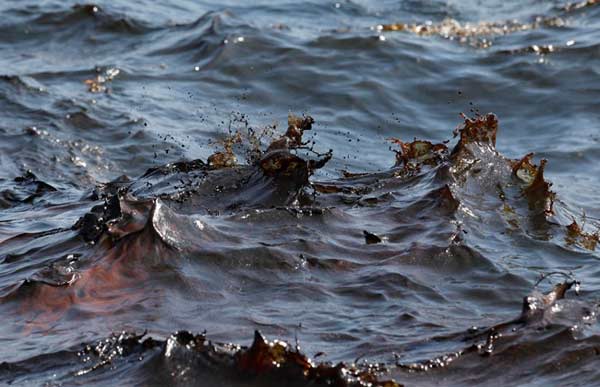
{"x":158,"y":204}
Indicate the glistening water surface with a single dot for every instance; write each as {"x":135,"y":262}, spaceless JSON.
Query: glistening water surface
{"x":152,"y":182}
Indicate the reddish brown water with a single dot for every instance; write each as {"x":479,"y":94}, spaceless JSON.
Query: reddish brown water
{"x":384,"y":259}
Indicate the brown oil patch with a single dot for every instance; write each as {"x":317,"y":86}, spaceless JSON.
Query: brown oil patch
{"x":293,"y":136}
{"x":485,"y":340}
{"x":264,"y":361}
{"x":282,"y":163}
{"x":576,"y":235}
{"x":536,"y":189}
{"x":447,"y":198}
{"x":113,"y":280}
{"x":414,"y":154}
{"x":476,"y":135}
{"x":276,"y":357}
{"x":111,"y":283}
{"x":328,"y":188}
{"x":480,"y":129}
{"x":277,"y":159}
{"x":226,"y":158}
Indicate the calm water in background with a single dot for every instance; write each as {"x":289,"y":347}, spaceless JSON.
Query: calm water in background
{"x":190,"y":70}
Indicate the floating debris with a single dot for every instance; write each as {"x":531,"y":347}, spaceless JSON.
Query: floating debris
{"x":580,"y":5}
{"x":371,"y":238}
{"x":541,"y":50}
{"x":98,"y":84}
{"x":474,"y":34}
{"x":576,"y":235}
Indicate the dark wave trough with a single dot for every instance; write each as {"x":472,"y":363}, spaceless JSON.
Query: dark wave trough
{"x":160,"y":224}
